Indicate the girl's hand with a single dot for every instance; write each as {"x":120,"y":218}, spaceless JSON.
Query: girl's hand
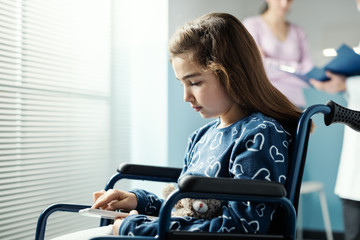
{"x":114,"y":199}
{"x":118,"y":222}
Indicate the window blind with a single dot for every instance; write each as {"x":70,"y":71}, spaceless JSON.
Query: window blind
{"x":54,"y":110}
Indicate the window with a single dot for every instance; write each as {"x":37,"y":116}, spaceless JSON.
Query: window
{"x":140,"y":72}
{"x":54,"y":110}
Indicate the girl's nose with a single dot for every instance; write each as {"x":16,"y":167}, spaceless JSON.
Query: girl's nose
{"x":188,"y":97}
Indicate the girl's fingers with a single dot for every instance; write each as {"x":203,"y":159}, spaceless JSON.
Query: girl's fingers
{"x":115,"y":199}
{"x":96,"y":195}
{"x":104,"y":199}
{"x":116,"y":226}
{"x":132,"y":212}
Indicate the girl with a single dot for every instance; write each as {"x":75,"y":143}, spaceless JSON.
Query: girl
{"x":281,"y":43}
{"x":220,"y":68}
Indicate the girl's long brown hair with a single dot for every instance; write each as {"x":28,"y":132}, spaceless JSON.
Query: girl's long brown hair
{"x":219,"y":42}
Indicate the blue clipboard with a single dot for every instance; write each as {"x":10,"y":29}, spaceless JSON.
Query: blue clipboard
{"x":346,"y":62}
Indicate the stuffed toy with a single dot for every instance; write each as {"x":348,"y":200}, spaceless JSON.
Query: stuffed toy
{"x":198,"y":208}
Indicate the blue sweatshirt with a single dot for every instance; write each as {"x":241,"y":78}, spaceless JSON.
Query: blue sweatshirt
{"x":255,"y":147}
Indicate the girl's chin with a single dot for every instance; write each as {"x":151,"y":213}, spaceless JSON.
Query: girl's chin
{"x":204,"y":115}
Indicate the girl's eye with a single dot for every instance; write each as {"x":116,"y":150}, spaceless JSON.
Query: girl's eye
{"x":195,"y":83}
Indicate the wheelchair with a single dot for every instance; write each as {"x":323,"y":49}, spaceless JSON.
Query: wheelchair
{"x":283,"y":225}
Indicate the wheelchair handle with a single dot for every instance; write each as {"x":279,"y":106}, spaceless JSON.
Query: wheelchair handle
{"x":340,"y":114}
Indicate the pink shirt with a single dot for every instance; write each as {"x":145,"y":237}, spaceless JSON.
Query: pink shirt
{"x":293,"y":52}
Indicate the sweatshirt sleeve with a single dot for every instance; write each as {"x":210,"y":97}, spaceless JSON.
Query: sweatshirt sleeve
{"x":148,"y":203}
{"x":262,"y":154}
{"x":141,"y":225}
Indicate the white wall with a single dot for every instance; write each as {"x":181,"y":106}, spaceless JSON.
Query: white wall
{"x":328,"y":23}
{"x":185,"y":10}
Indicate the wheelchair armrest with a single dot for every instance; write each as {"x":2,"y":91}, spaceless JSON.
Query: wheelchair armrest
{"x":150,"y":171}
{"x":190,"y":183}
{"x":227,"y":189}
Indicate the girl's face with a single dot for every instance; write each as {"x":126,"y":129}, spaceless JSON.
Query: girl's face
{"x":203,"y":90}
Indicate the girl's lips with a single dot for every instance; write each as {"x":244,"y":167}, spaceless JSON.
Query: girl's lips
{"x":197,"y":109}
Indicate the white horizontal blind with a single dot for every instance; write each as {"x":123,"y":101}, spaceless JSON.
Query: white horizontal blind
{"x":54,"y":110}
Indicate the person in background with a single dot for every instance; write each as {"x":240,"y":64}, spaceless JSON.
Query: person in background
{"x":348,"y":178}
{"x":281,"y":43}
{"x":221,"y":70}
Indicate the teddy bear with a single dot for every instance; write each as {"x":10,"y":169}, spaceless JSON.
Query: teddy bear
{"x":198,"y":208}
